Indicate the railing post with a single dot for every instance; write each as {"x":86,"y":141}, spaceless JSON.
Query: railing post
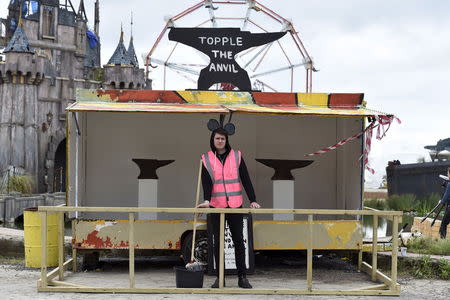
{"x":131,"y":248}
{"x":74,"y":248}
{"x":61,"y":245}
{"x":309,"y":254}
{"x":360,"y":258}
{"x":222,"y":250}
{"x":43,"y":249}
{"x":374,"y":247}
{"x":394,"y":253}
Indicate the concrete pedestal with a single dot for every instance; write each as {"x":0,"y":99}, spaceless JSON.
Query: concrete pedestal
{"x":148,"y":197}
{"x":283,"y":183}
{"x":148,"y":185}
{"x":283,"y":197}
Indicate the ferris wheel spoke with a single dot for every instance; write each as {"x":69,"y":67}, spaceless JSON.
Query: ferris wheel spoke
{"x":257,"y":54}
{"x":277,"y":70}
{"x":176,"y":66}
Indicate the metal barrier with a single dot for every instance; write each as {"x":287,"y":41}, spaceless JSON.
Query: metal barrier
{"x":389,"y":285}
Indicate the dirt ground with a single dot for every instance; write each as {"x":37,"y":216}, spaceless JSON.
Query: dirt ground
{"x":18,"y":282}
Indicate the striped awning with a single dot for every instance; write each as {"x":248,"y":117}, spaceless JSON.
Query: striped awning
{"x":316,"y":104}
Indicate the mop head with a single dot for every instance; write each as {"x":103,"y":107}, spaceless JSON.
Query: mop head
{"x":194,"y":266}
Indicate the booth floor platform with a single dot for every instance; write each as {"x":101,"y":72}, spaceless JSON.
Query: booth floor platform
{"x":270,"y":273}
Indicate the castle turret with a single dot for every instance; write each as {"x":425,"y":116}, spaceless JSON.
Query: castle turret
{"x":130,"y":52}
{"x":120,"y":55}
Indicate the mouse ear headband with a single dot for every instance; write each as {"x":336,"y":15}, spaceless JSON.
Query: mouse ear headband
{"x":213,"y":124}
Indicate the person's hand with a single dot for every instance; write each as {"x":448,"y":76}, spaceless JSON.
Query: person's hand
{"x":255,"y":205}
{"x":205,"y":204}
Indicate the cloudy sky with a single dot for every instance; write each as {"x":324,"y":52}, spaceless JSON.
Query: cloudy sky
{"x":396,"y":52}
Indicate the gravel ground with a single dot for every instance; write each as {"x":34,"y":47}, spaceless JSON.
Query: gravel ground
{"x":18,"y":282}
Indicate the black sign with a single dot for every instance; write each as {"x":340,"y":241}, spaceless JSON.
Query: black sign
{"x":230,"y":264}
{"x":222,"y":45}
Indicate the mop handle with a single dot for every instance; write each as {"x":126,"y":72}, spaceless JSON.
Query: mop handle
{"x":197,"y":196}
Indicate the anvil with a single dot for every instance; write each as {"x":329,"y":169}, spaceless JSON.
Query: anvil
{"x":283,"y":167}
{"x":148,"y":167}
{"x":222,"y":45}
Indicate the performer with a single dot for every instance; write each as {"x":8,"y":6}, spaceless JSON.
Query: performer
{"x":224,"y":171}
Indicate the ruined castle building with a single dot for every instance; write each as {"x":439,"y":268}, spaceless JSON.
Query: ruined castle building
{"x":48,"y":52}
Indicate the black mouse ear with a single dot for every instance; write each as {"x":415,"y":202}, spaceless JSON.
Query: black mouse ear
{"x":213,"y":124}
{"x":230,"y":128}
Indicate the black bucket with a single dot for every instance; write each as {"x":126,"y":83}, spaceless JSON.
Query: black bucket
{"x":188,"y":279}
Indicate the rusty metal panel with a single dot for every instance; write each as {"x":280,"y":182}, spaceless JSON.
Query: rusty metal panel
{"x":267,"y":235}
{"x":293,"y":235}
{"x":102,"y":234}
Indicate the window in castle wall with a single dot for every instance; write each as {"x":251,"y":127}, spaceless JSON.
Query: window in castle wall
{"x":48,"y":21}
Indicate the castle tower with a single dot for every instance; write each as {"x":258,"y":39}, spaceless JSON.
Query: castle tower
{"x":122,"y":70}
{"x":20,"y":76}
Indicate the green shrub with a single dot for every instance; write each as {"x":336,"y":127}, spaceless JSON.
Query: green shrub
{"x":444,"y":269}
{"x":423,"y":268}
{"x":379,"y":204}
{"x":404,"y":202}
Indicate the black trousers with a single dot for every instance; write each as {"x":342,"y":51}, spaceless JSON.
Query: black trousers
{"x":444,"y":223}
{"x":235,"y":223}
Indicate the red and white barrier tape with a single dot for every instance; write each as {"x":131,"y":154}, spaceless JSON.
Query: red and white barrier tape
{"x":382,"y":123}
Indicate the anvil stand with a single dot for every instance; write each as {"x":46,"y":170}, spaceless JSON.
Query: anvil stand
{"x":148,"y":185}
{"x":283,"y":183}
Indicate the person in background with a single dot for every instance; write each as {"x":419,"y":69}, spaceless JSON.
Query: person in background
{"x":446,"y":201}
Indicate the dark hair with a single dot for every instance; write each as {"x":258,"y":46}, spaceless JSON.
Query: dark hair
{"x":223,"y":132}
{"x":448,"y":169}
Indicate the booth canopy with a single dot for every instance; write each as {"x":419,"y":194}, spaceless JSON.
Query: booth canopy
{"x":315,"y":104}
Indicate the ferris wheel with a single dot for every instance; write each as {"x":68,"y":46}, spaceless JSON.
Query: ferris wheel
{"x":271,"y":67}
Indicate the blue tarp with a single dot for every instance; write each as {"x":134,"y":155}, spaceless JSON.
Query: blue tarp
{"x":34,"y":6}
{"x":13,"y":24}
{"x":92,"y":38}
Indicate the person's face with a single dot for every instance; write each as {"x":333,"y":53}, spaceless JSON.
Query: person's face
{"x":448,"y":173}
{"x":220,"y":141}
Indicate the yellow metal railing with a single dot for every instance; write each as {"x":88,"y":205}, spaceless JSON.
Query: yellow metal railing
{"x":389,"y":285}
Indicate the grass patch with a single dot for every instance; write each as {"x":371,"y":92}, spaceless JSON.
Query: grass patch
{"x":379,"y":204}
{"x":19,"y":183}
{"x":424,"y":205}
{"x":430,"y":246}
{"x":12,"y":260}
{"x":405,"y":202}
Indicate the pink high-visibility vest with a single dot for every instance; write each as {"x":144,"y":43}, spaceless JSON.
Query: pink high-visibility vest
{"x":226,"y":191}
